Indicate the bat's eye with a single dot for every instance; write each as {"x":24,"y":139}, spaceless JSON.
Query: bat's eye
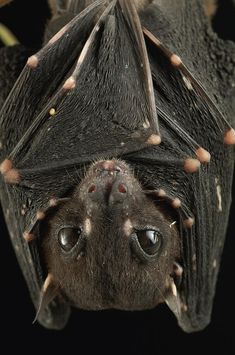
{"x":150,"y":240}
{"x":68,"y":238}
{"x":146,"y":244}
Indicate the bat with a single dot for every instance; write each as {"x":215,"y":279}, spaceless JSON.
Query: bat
{"x":117,"y":156}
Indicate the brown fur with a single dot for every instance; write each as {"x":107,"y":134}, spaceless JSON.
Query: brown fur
{"x":107,"y":273}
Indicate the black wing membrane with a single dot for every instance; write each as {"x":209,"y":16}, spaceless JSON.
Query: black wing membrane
{"x":205,"y":195}
{"x":85,"y":95}
{"x":89,"y":94}
{"x":78,"y":108}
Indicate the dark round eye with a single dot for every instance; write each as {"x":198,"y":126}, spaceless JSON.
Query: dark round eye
{"x":68,"y":238}
{"x":149,"y":240}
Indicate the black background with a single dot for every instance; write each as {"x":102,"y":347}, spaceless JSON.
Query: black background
{"x":151,"y":332}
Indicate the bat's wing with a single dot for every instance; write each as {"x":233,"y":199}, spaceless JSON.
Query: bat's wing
{"x":205,"y":195}
{"x":107,"y":53}
{"x":87,"y":94}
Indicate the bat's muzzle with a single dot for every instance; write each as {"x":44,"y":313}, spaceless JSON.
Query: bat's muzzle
{"x":109,"y":182}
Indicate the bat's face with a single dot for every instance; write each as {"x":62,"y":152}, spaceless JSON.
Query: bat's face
{"x":111,"y":246}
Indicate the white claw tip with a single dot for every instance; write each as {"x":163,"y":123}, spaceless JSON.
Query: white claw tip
{"x":5,"y":166}
{"x":40,"y":216}
{"x":189,"y":222}
{"x":174,"y":289}
{"x":175,"y":60}
{"x":203,"y":155}
{"x":32,"y":61}
{"x":154,"y":140}
{"x":161,"y":193}
{"x":69,"y":84}
{"x":229,"y":137}
{"x":52,"y":112}
{"x":47,"y":282}
{"x":176,"y":203}
{"x":191,"y":165}
{"x":28,"y":237}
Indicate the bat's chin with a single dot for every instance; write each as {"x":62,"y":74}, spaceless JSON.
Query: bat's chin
{"x":122,"y":306}
{"x":130,"y":297}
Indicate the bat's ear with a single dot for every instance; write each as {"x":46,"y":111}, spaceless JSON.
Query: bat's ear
{"x":173,"y":301}
{"x":50,"y":292}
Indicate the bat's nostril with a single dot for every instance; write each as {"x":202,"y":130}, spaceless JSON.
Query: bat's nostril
{"x":91,"y":189}
{"x":122,"y":188}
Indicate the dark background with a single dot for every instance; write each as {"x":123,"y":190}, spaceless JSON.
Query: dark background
{"x":151,"y":332}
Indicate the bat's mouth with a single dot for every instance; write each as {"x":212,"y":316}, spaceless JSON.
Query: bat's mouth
{"x":110,"y":168}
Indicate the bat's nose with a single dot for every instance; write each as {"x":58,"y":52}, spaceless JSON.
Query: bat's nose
{"x":109,"y":185}
{"x":108,"y":191}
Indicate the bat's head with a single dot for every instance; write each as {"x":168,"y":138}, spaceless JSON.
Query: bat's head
{"x":111,"y":245}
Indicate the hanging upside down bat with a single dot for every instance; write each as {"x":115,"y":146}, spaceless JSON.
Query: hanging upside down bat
{"x":117,"y":160}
